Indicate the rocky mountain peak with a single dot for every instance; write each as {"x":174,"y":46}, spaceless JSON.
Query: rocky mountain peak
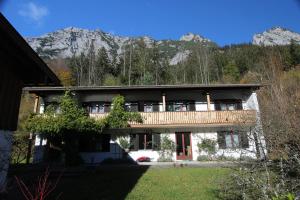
{"x":193,"y":37}
{"x":275,"y":36}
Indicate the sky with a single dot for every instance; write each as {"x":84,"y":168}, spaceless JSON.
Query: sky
{"x":222,"y":21}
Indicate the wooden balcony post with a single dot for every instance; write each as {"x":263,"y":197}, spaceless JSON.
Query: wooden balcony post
{"x":164,"y":102}
{"x":36,"y":104}
{"x":208,"y":101}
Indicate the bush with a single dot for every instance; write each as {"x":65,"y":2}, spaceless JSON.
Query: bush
{"x":262,"y":180}
{"x":203,"y":158}
{"x":207,"y":146}
{"x":226,"y":158}
{"x":124,"y":143}
{"x":163,"y":159}
{"x":167,"y":147}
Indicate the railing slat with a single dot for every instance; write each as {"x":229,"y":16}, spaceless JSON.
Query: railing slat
{"x":192,"y":117}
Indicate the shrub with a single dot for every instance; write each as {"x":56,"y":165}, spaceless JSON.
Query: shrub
{"x":207,"y":146}
{"x":203,"y":158}
{"x":167,"y":147}
{"x":124,"y":143}
{"x":163,"y":159}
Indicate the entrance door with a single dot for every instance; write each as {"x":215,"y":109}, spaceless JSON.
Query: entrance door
{"x":183,"y":146}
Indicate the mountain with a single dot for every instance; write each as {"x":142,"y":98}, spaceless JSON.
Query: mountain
{"x":193,"y":37}
{"x":71,"y":41}
{"x":275,"y":36}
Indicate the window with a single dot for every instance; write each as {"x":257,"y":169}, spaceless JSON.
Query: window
{"x":131,"y":107}
{"x":97,"y":107}
{"x":151,"y":107}
{"x":232,"y":139}
{"x":229,"y":104}
{"x":52,"y":107}
{"x":94,"y":143}
{"x":148,"y":108}
{"x":144,"y":141}
{"x":180,"y":106}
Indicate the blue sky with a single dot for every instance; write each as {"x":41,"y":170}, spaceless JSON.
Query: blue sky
{"x":223,"y":21}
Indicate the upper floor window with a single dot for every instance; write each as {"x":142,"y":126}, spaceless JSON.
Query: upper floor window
{"x":149,"y":106}
{"x":131,"y":107}
{"x":180,"y":106}
{"x":52,"y":107}
{"x":229,"y":104}
{"x":97,"y":107}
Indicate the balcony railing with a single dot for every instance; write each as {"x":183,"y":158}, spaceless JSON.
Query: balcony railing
{"x":192,"y":118}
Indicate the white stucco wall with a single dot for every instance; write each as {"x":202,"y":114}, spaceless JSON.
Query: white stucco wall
{"x":252,"y":103}
{"x":5,"y":151}
{"x":116,"y":151}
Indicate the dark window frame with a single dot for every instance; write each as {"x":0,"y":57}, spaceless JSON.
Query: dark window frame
{"x":89,"y":106}
{"x":238,"y":104}
{"x":132,"y":106}
{"x":189,"y":104}
{"x":145,"y":141}
{"x":243,"y":140}
{"x":89,"y":143}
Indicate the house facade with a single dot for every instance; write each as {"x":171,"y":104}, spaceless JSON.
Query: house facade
{"x":185,"y":114}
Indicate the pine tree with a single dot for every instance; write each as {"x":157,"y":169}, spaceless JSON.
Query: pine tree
{"x":102,"y":65}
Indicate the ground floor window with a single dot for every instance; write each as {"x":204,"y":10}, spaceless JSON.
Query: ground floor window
{"x":142,"y":141}
{"x":93,"y":143}
{"x":233,"y":139}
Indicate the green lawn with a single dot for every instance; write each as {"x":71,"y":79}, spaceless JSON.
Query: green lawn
{"x":136,"y":182}
{"x":177,"y":183}
{"x":142,"y":183}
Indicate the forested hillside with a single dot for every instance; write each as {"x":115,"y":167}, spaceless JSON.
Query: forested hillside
{"x":142,"y":65}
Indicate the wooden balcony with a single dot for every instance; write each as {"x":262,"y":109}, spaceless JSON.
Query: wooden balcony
{"x":192,"y":118}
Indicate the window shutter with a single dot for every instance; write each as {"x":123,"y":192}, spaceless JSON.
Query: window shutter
{"x":217,"y":106}
{"x":134,"y":107}
{"x":105,"y":142}
{"x":106,"y":107}
{"x":141,"y":106}
{"x":192,"y":106}
{"x":240,"y":105}
{"x":156,"y":141}
{"x":155,"y":107}
{"x":221,"y":140}
{"x":244,"y":140}
{"x":134,"y":142}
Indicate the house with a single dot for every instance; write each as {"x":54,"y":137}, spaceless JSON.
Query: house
{"x":187,"y":114}
{"x":20,"y":66}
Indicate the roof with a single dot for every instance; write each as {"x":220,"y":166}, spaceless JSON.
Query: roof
{"x":21,"y":59}
{"x":145,"y":87}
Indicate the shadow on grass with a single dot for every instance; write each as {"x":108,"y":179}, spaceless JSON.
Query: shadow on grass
{"x":111,"y":181}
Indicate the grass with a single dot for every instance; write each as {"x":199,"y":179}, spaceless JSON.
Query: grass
{"x":140,"y":182}
{"x":178,"y":183}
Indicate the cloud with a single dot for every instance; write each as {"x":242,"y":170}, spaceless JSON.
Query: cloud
{"x":34,"y":12}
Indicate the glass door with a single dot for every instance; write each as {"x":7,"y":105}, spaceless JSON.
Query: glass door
{"x":183,"y":146}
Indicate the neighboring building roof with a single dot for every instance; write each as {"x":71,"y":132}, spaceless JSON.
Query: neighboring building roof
{"x":19,"y":58}
{"x":144,"y":87}
{"x":19,"y":66}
